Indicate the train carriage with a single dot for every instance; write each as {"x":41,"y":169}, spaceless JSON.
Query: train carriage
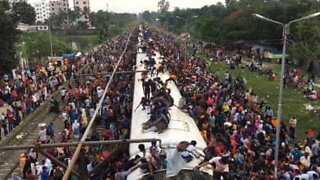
{"x":181,"y":127}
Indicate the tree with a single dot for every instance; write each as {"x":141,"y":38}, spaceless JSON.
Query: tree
{"x":59,"y":21}
{"x":23,"y":12}
{"x":163,"y":8}
{"x":8,"y":38}
{"x":304,"y":46}
{"x":37,"y":46}
{"x":109,"y":24}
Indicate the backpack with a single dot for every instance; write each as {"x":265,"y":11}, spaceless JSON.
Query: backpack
{"x":182,"y":146}
{"x":49,"y":130}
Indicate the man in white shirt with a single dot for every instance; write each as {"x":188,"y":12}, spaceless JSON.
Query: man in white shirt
{"x":99,"y":92}
{"x":76,"y":130}
{"x":190,"y":152}
{"x":313,"y":175}
{"x":220,"y":166}
{"x":42,"y":135}
{"x":3,"y":124}
{"x":63,"y":93}
{"x":306,"y":160}
{"x":48,"y":164}
{"x":303,"y":176}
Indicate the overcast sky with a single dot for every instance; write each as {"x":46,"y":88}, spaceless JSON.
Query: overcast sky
{"x":136,"y":6}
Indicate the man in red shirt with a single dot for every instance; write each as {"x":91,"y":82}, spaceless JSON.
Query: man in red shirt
{"x":10,"y":118}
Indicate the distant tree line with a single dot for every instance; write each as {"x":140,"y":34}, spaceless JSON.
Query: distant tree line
{"x":226,"y":24}
{"x":109,"y":24}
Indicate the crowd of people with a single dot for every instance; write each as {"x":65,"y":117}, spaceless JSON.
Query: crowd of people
{"x":79,"y":103}
{"x":239,"y":128}
{"x":237,"y":125}
{"x":293,"y":76}
{"x":24,"y":91}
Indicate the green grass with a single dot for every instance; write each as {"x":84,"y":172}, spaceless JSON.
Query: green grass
{"x":85,"y":42}
{"x":293,"y":100}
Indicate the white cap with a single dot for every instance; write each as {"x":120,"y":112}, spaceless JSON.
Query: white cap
{"x":42,"y":125}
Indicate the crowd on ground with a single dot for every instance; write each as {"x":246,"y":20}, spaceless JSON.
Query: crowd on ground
{"x":237,"y":125}
{"x":24,"y":91}
{"x":293,"y":76}
{"x":79,"y":103}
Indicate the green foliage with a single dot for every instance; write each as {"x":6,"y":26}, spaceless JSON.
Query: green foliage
{"x":60,"y":20}
{"x":70,"y":20}
{"x":225,"y":25}
{"x":163,"y":6}
{"x":23,"y":12}
{"x":9,"y":17}
{"x":149,"y":16}
{"x":4,"y":6}
{"x":84,"y":42}
{"x":37,"y":46}
{"x":108,"y":24}
{"x":304,"y":44}
{"x":8,"y":37}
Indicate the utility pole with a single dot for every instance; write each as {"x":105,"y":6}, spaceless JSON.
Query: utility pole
{"x":50,"y":37}
{"x":285,"y":33}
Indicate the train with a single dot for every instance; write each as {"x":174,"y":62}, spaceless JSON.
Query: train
{"x":181,"y":127}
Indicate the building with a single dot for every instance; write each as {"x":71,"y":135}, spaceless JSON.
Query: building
{"x":81,"y":4}
{"x":32,"y":28}
{"x":58,"y":6}
{"x":84,"y":7}
{"x":14,"y":1}
{"x":42,"y":9}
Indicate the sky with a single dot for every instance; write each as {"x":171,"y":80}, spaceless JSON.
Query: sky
{"x":136,"y":6}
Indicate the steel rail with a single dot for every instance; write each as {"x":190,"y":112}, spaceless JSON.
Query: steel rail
{"x":86,"y":143}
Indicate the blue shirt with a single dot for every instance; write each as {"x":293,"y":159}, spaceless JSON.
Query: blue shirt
{"x":44,"y":175}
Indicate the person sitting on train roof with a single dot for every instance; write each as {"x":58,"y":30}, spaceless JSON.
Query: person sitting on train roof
{"x":151,"y":62}
{"x":160,"y":117}
{"x":190,"y":151}
{"x":148,"y":162}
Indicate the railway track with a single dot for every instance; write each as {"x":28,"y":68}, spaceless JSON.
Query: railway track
{"x":9,"y":160}
{"x":27,"y":132}
{"x":27,"y":135}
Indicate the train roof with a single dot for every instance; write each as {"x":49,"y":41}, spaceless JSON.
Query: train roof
{"x":181,"y":128}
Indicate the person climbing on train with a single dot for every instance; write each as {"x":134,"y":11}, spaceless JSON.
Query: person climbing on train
{"x":173,"y":77}
{"x":220,"y":166}
{"x":143,"y":102}
{"x":153,"y":87}
{"x":160,"y":116}
{"x":148,"y":163}
{"x":189,"y":151}
{"x":146,"y":89}
{"x":151,"y":63}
